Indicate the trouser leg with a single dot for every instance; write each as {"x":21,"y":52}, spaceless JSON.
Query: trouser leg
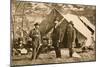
{"x":33,"y":53}
{"x":38,"y":52}
{"x":57,"y":51}
{"x":70,"y":50}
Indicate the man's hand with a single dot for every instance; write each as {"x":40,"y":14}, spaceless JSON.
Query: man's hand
{"x":40,"y":44}
{"x":59,"y":41}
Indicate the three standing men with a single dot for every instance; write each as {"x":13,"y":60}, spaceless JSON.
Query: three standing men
{"x":56,"y":36}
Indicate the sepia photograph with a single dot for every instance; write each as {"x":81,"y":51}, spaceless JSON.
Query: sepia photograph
{"x":52,"y":33}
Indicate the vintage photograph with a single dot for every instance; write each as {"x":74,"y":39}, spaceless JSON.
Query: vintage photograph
{"x":52,"y":33}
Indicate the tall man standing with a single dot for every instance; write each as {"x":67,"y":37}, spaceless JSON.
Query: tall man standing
{"x":56,"y":39}
{"x":36,"y":40}
{"x":70,"y":37}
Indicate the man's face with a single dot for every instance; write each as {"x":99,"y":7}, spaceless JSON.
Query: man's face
{"x":37,"y":26}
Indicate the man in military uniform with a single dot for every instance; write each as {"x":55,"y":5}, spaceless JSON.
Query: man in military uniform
{"x":36,"y":40}
{"x":56,"y":39}
{"x":70,"y":37}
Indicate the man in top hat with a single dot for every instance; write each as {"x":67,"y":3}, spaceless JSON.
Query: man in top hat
{"x":56,"y":38}
{"x":36,"y":40}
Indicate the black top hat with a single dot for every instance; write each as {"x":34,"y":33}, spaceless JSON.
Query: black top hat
{"x":36,"y":24}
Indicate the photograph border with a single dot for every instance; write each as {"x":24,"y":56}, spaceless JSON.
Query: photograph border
{"x":46,"y":63}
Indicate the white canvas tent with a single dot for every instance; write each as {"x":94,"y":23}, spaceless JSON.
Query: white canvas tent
{"x":87,"y":22}
{"x":81,"y":27}
{"x":78,"y":25}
